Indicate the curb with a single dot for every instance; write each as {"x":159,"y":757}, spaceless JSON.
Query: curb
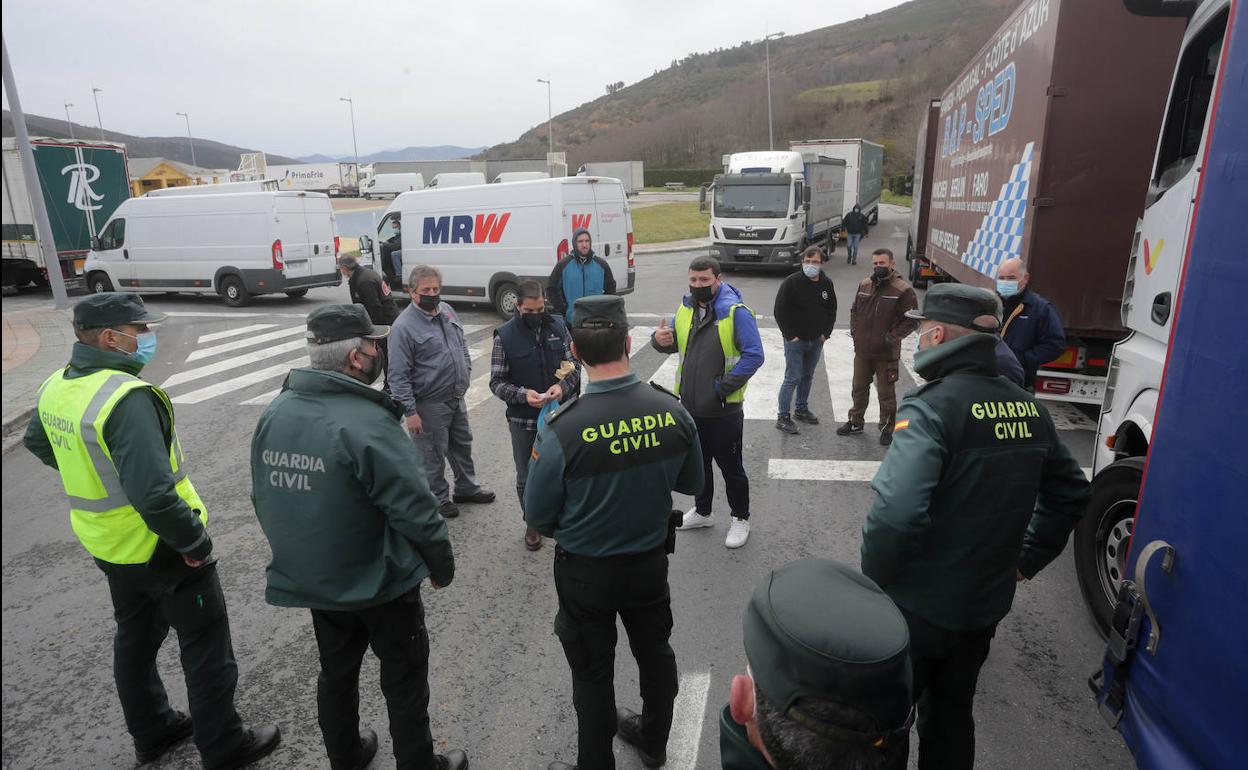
{"x":665,"y":248}
{"x":13,"y":426}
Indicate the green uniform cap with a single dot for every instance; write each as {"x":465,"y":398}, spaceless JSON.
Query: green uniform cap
{"x":816,"y":628}
{"x":100,"y":310}
{"x":960,"y":305}
{"x":342,"y":322}
{"x":601,"y":311}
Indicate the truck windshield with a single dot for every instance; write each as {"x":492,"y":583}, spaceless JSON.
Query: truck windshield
{"x":752,"y":201}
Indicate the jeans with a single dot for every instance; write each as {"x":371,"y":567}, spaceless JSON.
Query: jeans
{"x":446,"y":439}
{"x":396,"y":632}
{"x":851,"y":246}
{"x":396,"y":261}
{"x":592,"y":591}
{"x":800,"y":359}
{"x":721,"y":440}
{"x":521,"y":450}
{"x":148,"y":600}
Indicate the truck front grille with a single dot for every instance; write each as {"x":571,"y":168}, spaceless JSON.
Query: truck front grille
{"x":755,"y":234}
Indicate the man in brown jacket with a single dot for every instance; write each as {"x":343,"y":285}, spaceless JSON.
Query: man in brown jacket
{"x":877,"y":322}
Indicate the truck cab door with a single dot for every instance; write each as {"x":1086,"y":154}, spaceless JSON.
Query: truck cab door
{"x":115,"y":255}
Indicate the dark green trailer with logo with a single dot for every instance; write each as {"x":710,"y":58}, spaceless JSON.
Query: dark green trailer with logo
{"x":83,"y":182}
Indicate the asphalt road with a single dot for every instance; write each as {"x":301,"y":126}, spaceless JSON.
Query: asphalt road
{"x":500,"y":684}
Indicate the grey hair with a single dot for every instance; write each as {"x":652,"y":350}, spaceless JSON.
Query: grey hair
{"x":332,"y":356}
{"x":423,"y":271}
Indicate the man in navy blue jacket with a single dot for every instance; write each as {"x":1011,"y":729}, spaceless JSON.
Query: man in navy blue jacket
{"x":580,"y":274}
{"x":1033,"y":329}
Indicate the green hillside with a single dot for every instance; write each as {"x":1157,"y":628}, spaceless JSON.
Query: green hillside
{"x":869,"y":77}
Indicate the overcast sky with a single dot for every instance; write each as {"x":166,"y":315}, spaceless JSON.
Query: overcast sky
{"x":268,"y":74}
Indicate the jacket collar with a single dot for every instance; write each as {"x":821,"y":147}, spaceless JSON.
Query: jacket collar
{"x":972,"y":354}
{"x":317,"y":382}
{"x":615,"y":383}
{"x":85,"y":359}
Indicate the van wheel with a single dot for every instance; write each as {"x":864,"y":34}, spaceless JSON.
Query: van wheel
{"x":506,"y":298}
{"x":99,"y":283}
{"x":297,"y":293}
{"x":1102,"y":535}
{"x":233,"y":291}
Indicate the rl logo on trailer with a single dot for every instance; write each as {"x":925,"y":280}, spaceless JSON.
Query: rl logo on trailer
{"x":484,"y":228}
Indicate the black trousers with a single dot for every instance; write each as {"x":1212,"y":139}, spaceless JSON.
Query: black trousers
{"x":148,"y":600}
{"x":396,"y":632}
{"x":521,"y":450}
{"x":721,"y":439}
{"x":946,"y":670}
{"x":592,"y":591}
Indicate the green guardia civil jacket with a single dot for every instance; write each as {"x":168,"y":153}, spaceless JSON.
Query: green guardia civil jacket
{"x":975,"y":486}
{"x":342,"y":497}
{"x":735,"y":750}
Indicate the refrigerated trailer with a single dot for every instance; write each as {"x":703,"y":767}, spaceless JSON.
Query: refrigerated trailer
{"x":864,"y":170}
{"x":329,"y":178}
{"x":1043,"y":148}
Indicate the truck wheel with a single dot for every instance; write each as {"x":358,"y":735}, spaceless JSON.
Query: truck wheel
{"x":233,"y":291}
{"x":99,"y":283}
{"x":1101,"y":537}
{"x":875,"y":217}
{"x":297,"y":293}
{"x":506,"y":297}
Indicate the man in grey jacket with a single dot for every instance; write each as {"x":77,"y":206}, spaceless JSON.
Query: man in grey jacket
{"x":428,"y":374}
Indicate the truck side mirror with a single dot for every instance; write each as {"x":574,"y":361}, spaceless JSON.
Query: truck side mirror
{"x":366,"y":244}
{"x":95,"y":243}
{"x":806,"y":195}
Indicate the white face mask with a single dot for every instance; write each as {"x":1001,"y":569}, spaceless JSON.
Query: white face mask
{"x":810,"y":270}
{"x":924,"y":334}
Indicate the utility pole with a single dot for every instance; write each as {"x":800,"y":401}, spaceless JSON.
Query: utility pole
{"x":43,"y":226}
{"x":354,"y":147}
{"x":98,"y":120}
{"x":189,"y":137}
{"x":550,"y":118}
{"x":69,"y":122}
{"x":771,"y":135}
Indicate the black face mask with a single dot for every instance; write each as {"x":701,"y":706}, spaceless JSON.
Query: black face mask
{"x":428,"y":302}
{"x":879,"y":273}
{"x":701,"y":293}
{"x":533,"y":320}
{"x":379,"y":365}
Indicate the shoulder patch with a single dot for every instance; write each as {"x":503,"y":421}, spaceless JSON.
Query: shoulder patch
{"x":559,"y":410}
{"x":662,"y":389}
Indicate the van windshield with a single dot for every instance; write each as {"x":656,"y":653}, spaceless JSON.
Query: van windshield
{"x":752,"y":201}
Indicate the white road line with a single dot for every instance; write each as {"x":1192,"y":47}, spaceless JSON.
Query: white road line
{"x":670,"y":316}
{"x":640,"y":336}
{"x":838,"y":362}
{"x":226,"y":347}
{"x":821,"y":470}
{"x":261,"y":400}
{"x":909,"y":346}
{"x":665,"y":375}
{"x":474,"y":328}
{"x":233,"y":332}
{"x":197,"y":314}
{"x":690,"y":711}
{"x":251,"y":378}
{"x":234,"y":363}
{"x":763,"y":394}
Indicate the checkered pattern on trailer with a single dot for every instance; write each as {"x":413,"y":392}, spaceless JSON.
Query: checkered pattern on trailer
{"x":1000,"y":234}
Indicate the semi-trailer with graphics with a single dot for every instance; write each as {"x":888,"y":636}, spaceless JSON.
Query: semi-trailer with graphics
{"x":1042,"y":149}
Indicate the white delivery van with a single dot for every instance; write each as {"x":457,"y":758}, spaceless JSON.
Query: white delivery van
{"x":457,"y":179}
{"x":486,"y":239}
{"x":519,"y":176}
{"x":236,"y":245}
{"x":391,"y":184}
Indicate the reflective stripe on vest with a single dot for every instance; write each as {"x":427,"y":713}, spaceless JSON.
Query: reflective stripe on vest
{"x":73,"y":413}
{"x":727,"y":341}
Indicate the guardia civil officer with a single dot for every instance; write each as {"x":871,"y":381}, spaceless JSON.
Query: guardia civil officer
{"x":354,"y":532}
{"x":133,"y":507}
{"x":600,"y":481}
{"x":828,"y":684}
{"x":977,"y":491}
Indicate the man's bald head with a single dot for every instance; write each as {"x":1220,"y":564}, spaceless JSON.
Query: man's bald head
{"x":1014,"y":270}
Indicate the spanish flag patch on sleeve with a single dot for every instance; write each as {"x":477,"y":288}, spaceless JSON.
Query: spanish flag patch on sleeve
{"x":900,"y":424}
{"x":533,"y":453}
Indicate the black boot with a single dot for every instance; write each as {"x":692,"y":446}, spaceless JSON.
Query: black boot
{"x":631,"y":733}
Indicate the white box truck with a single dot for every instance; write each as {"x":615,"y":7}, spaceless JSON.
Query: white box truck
{"x":864,"y":170}
{"x":329,"y":178}
{"x":458,"y":179}
{"x":236,"y":245}
{"x":381,"y":185}
{"x":631,"y":173}
{"x":519,"y":176}
{"x":769,"y":206}
{"x":486,"y":239}
{"x":224,"y":188}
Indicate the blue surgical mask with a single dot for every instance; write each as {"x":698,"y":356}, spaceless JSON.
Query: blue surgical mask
{"x":146,"y":349}
{"x":810,"y":270}
{"x":1007,"y":288}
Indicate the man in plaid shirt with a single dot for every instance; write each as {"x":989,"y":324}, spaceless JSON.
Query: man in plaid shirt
{"x":530,"y":352}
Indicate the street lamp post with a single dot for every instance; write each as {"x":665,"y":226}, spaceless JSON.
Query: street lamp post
{"x":69,"y":122}
{"x":550,"y":118}
{"x":98,"y":120}
{"x":190,"y":138}
{"x":771,"y":136}
{"x":354,"y":147}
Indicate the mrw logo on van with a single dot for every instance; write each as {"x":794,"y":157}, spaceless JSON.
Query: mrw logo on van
{"x":461,"y":228}
{"x":581,"y":220}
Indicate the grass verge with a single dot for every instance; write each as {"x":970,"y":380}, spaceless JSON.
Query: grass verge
{"x":887,"y":196}
{"x":669,"y":222}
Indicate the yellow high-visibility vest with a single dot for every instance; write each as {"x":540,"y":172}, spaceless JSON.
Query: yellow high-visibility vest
{"x":727,"y":340}
{"x":73,"y":412}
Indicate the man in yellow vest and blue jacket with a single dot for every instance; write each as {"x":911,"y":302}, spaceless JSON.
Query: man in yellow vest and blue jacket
{"x":111,"y":436}
{"x":716,"y":339}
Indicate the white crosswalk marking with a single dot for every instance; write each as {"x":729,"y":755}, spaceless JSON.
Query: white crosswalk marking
{"x":690,"y":711}
{"x":226,"y":347}
{"x":838,"y":363}
{"x":233,"y":363}
{"x":251,"y":378}
{"x":233,"y":332}
{"x":763,"y":394}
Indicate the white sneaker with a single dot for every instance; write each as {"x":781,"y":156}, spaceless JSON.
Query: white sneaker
{"x":695,"y":520}
{"x":738,"y":533}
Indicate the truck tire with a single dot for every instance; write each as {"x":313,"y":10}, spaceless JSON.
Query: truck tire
{"x":1101,"y":537}
{"x":99,"y":283}
{"x":233,"y":291}
{"x":297,"y":293}
{"x":506,"y":297}
{"x":875,"y":217}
